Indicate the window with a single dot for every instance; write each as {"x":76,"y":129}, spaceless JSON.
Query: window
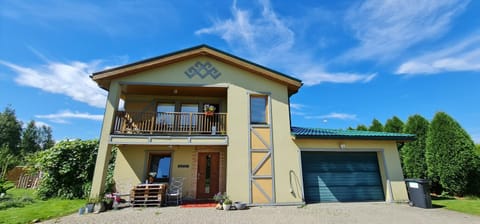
{"x":164,"y":113}
{"x":189,"y":108}
{"x":160,"y":167}
{"x":258,"y":109}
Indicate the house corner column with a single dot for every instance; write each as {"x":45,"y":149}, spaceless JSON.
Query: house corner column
{"x":104,"y":148}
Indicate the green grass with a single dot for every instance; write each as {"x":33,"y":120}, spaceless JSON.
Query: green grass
{"x":469,"y":205}
{"x":39,"y":210}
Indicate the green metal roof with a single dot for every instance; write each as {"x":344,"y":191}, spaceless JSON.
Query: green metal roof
{"x":322,"y":133}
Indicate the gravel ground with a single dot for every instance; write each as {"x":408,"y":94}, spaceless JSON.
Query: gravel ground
{"x":370,"y":213}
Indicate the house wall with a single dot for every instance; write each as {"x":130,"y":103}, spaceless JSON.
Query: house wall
{"x":131,"y":160}
{"x":388,"y":160}
{"x":131,"y":165}
{"x":240,"y":84}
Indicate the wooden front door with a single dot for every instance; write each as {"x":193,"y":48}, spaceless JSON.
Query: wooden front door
{"x":208,"y":174}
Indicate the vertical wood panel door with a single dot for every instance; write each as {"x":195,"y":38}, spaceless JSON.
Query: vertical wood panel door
{"x":208,"y":174}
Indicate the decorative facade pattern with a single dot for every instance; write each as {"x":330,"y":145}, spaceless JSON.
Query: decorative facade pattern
{"x":203,"y":70}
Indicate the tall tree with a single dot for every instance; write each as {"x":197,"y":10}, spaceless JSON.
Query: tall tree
{"x":46,"y":137}
{"x":10,"y":131}
{"x":30,"y":139}
{"x":376,"y":126}
{"x":413,"y":153}
{"x":450,"y":154}
{"x":394,"y":125}
{"x":362,"y":127}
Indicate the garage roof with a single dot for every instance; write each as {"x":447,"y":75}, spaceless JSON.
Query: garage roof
{"x":321,"y":133}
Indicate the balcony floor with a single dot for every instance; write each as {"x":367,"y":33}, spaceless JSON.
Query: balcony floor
{"x":149,"y":139}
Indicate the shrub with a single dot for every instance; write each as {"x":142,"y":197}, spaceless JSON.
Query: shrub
{"x":67,"y":169}
{"x":450,"y":155}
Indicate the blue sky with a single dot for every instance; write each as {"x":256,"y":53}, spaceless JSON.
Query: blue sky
{"x":358,"y":60}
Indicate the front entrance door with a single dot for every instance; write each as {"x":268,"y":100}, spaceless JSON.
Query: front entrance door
{"x":208,"y":174}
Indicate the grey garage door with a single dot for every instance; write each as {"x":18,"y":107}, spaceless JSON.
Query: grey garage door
{"x":341,"y":176}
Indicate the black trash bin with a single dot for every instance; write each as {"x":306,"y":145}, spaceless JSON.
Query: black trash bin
{"x":419,"y":193}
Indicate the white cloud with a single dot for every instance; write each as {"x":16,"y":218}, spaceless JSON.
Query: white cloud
{"x":71,"y":79}
{"x":317,"y":75}
{"x":39,"y":124}
{"x":261,"y":36}
{"x":297,"y":109}
{"x":297,"y":106}
{"x":268,"y":39}
{"x":63,"y":116}
{"x":334,"y":115}
{"x":461,"y":56}
{"x":385,"y":28}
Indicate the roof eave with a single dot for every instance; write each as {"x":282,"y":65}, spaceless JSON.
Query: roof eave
{"x":104,"y":77}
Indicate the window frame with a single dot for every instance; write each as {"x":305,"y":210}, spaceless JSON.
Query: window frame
{"x":265,"y":114}
{"x":149,"y":166}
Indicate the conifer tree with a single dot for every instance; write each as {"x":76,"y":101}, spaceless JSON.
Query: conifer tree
{"x":450,"y":155}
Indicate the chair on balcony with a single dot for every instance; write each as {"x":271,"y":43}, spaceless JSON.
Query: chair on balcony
{"x":174,"y":190}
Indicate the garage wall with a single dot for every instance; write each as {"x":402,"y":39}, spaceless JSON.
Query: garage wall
{"x":388,"y":159}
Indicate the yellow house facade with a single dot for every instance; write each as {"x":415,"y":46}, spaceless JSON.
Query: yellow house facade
{"x":223,"y":124}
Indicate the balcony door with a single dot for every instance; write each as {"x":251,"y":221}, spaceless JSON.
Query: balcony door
{"x":208,"y":174}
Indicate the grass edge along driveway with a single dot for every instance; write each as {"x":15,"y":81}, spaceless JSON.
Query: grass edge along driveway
{"x":468,"y":205}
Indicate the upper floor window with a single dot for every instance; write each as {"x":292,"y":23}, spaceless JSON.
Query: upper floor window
{"x":189,"y":118}
{"x":165,"y":113}
{"x":258,"y":109}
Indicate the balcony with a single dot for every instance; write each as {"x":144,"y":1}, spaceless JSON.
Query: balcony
{"x":169,"y":123}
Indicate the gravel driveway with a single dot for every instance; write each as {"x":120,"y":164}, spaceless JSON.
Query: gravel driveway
{"x":370,"y":213}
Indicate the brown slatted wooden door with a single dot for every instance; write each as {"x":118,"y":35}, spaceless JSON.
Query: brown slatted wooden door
{"x":208,"y":175}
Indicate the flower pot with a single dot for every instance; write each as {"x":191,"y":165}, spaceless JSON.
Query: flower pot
{"x":226,"y":207}
{"x":99,"y":207}
{"x":89,"y":207}
{"x":240,"y":205}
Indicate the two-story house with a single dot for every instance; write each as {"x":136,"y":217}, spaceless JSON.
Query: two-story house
{"x":223,"y":123}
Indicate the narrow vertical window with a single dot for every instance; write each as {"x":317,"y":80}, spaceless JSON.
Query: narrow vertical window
{"x":258,"y":109}
{"x":208,"y":173}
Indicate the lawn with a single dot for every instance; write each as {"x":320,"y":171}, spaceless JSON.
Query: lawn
{"x":466,"y":205}
{"x":39,"y":209}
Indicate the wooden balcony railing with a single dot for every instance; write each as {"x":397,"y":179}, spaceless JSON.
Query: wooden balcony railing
{"x":170,"y":123}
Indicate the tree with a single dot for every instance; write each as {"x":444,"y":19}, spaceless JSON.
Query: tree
{"x":413,"y":153}
{"x":450,"y":155}
{"x":362,"y":127}
{"x":7,"y":161}
{"x":30,"y":139}
{"x":10,"y":131}
{"x":394,"y":125}
{"x":46,"y":137}
{"x":376,"y":126}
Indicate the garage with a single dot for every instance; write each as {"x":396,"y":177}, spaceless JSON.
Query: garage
{"x":341,"y":177}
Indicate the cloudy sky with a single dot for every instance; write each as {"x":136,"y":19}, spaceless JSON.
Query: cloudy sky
{"x":358,"y":60}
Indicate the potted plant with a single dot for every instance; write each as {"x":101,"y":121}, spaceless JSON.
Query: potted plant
{"x":218,"y":197}
{"x":209,"y":109}
{"x":91,"y":204}
{"x":108,"y":201}
{"x":227,"y":203}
